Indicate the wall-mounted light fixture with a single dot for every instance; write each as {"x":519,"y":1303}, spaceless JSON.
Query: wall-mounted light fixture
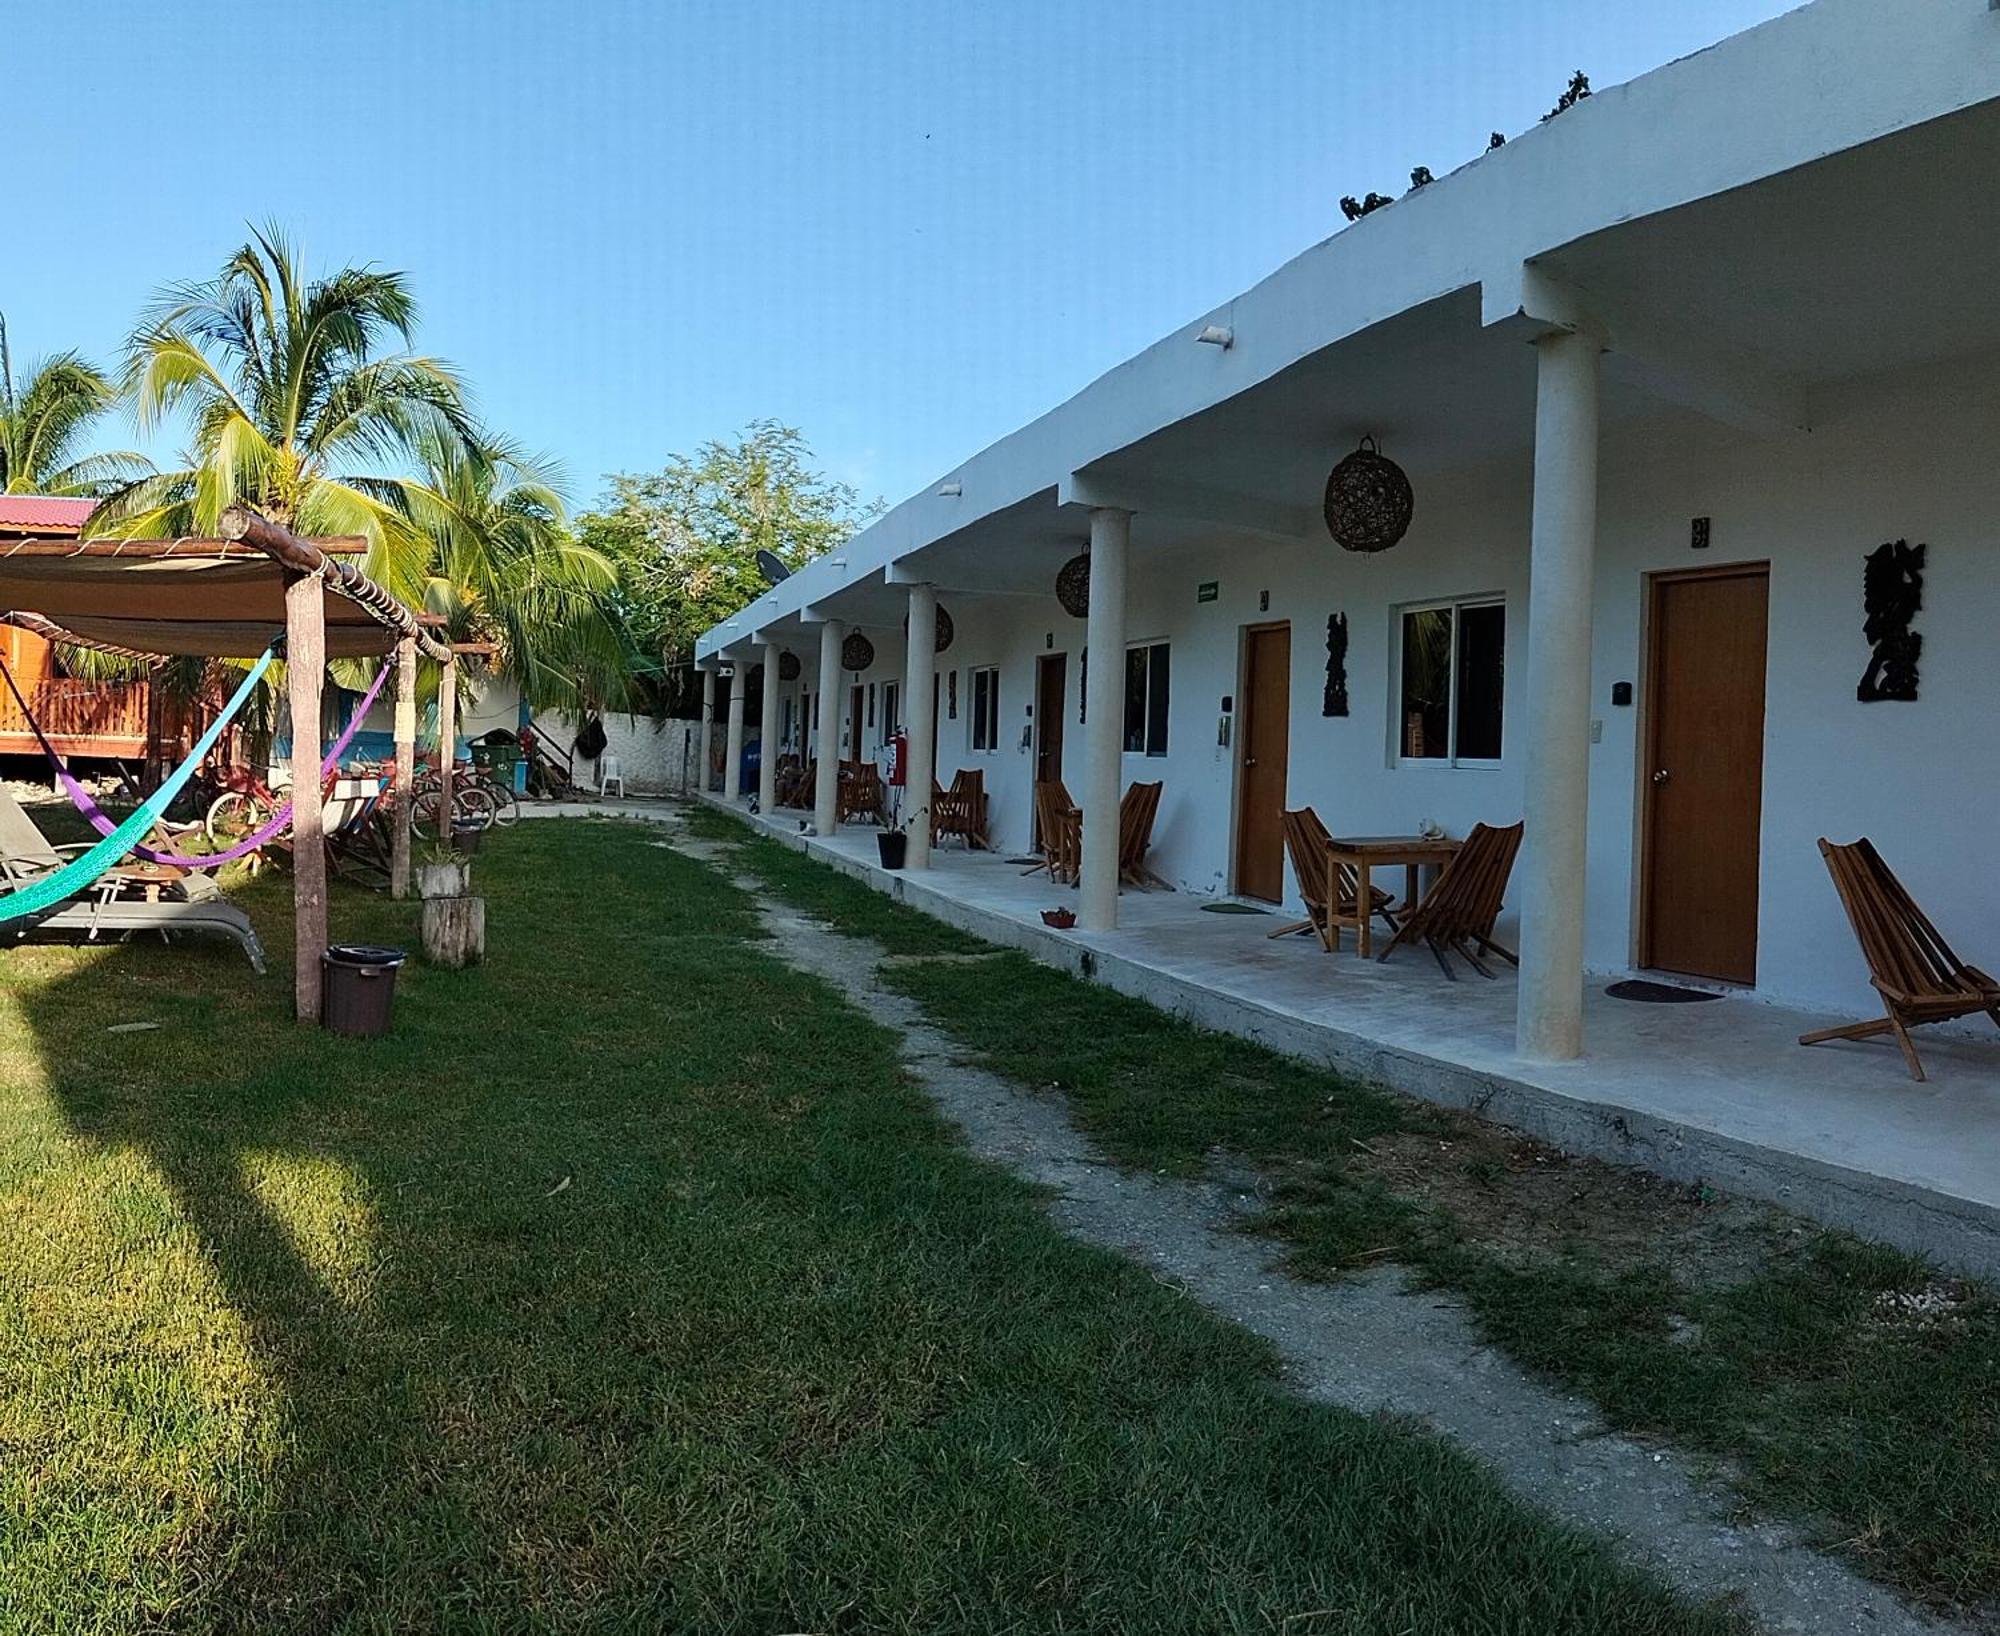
{"x":1217,"y":335}
{"x":951,"y":490}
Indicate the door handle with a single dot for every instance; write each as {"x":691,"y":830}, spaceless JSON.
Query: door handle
{"x":1660,"y":777}
{"x":1249,"y":761}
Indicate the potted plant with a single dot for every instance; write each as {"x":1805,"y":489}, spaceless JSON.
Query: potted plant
{"x":892,"y":841}
{"x":443,"y":872}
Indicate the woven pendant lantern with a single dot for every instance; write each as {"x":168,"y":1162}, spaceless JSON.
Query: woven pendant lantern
{"x":857,"y":652}
{"x":1073,"y":586}
{"x":1368,"y":501}
{"x":788,"y":667}
{"x":945,"y":630}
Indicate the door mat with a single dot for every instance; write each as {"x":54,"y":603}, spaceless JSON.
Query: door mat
{"x":1646,"y":993}
{"x":1023,"y":862}
{"x":1232,"y":909}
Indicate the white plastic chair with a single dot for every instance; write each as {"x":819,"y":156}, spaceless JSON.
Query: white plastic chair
{"x":609,"y":774}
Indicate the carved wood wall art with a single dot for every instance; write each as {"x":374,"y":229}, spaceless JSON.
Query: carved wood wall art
{"x":1335,"y":701}
{"x":1892,"y":594}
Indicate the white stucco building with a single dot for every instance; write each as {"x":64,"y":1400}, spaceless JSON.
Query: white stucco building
{"x":1662,"y":373}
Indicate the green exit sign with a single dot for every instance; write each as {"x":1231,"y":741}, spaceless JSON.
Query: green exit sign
{"x":1207,"y":591}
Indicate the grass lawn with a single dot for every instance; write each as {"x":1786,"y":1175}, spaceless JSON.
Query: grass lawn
{"x":1846,"y":1385}
{"x":630,"y":1286}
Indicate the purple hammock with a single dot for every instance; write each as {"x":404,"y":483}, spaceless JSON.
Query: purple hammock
{"x":258,"y":837}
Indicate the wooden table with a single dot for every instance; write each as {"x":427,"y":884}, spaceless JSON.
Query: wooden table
{"x":151,"y":878}
{"x":1365,"y":853}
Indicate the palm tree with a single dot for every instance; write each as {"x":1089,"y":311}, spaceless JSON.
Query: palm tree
{"x":43,"y":421}
{"x":508,"y":570}
{"x":289,"y":385}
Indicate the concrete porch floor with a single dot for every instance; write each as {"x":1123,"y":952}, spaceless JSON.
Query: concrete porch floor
{"x":1719,"y":1092}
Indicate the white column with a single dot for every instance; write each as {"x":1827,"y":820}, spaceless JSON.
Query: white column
{"x":831,"y":634}
{"x":707,"y":730}
{"x":1103,"y":728}
{"x":767,"y":733}
{"x":1555,"y":719}
{"x":919,"y":719}
{"x":732,"y":771}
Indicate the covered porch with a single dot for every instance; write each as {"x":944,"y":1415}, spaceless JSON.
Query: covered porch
{"x":1716,"y":1092}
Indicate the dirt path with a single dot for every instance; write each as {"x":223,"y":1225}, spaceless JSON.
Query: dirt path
{"x":1370,"y":1344}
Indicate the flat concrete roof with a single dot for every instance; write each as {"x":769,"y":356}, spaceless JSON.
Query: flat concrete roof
{"x":1509,"y":244}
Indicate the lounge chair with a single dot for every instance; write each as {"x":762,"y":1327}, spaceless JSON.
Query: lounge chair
{"x":1459,"y":912}
{"x":111,"y":907}
{"x":1059,"y":833}
{"x":1136,"y":812}
{"x":1306,"y":841}
{"x":804,"y":790}
{"x":960,"y":810}
{"x":1915,"y":971}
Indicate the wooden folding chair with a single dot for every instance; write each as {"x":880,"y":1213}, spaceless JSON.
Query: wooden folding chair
{"x":1459,"y":912}
{"x":1306,"y":842}
{"x":1915,"y":971}
{"x":1059,"y":824}
{"x":1136,"y":811}
{"x":861,"y":793}
{"x":960,"y":810}
{"x":802,"y":791}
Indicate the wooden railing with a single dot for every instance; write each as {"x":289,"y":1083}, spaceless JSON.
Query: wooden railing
{"x":83,"y":718}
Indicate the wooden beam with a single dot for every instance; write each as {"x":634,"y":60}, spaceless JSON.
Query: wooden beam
{"x":305,"y":665}
{"x":304,"y":556}
{"x":406,"y":767}
{"x":338,"y":545}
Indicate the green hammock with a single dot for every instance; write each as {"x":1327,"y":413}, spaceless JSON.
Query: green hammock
{"x":81,"y":871}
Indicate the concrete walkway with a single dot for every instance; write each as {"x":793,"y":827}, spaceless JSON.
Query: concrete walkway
{"x":1719,"y":1092}
{"x":1369,"y":1344}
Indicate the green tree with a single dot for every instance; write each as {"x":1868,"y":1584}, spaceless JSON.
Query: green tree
{"x":509,"y":570}
{"x":304,"y":400}
{"x":685,"y":539}
{"x":307,"y":401}
{"x":42,"y":426}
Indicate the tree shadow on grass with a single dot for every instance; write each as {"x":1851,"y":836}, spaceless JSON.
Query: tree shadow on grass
{"x":421,"y":1238}
{"x":630,"y":1285}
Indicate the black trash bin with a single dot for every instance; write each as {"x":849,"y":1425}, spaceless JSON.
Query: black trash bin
{"x":894,"y":846}
{"x":360,"y":988}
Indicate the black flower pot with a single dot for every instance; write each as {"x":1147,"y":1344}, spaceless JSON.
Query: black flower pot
{"x":894,"y":845}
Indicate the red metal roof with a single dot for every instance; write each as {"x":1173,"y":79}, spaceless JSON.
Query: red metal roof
{"x":44,"y":513}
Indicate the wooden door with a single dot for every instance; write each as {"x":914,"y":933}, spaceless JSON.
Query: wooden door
{"x":1051,"y":692}
{"x":1264,"y":726}
{"x":1704,"y":773}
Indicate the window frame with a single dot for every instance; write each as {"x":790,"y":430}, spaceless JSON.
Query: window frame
{"x":983,"y":715}
{"x":1451,"y":760}
{"x":892,"y":710}
{"x":1147,"y":724}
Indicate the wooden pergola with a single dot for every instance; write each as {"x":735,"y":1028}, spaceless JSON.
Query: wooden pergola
{"x":226,"y":598}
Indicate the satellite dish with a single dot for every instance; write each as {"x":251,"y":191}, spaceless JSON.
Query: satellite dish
{"x":772,"y":567}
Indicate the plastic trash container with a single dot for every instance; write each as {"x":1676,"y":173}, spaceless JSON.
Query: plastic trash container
{"x":359,"y":989}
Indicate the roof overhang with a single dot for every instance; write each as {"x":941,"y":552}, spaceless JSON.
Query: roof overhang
{"x":1720,"y":219}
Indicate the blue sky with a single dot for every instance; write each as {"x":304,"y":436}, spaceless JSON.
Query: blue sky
{"x":906,"y":226}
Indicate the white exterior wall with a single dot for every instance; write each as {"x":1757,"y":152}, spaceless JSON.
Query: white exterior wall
{"x":656,"y":757}
{"x":1922,"y":779}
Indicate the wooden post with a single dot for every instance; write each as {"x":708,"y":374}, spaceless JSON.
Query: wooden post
{"x":447,"y":741}
{"x":305,"y":663}
{"x":156,"y":762}
{"x":406,"y":767}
